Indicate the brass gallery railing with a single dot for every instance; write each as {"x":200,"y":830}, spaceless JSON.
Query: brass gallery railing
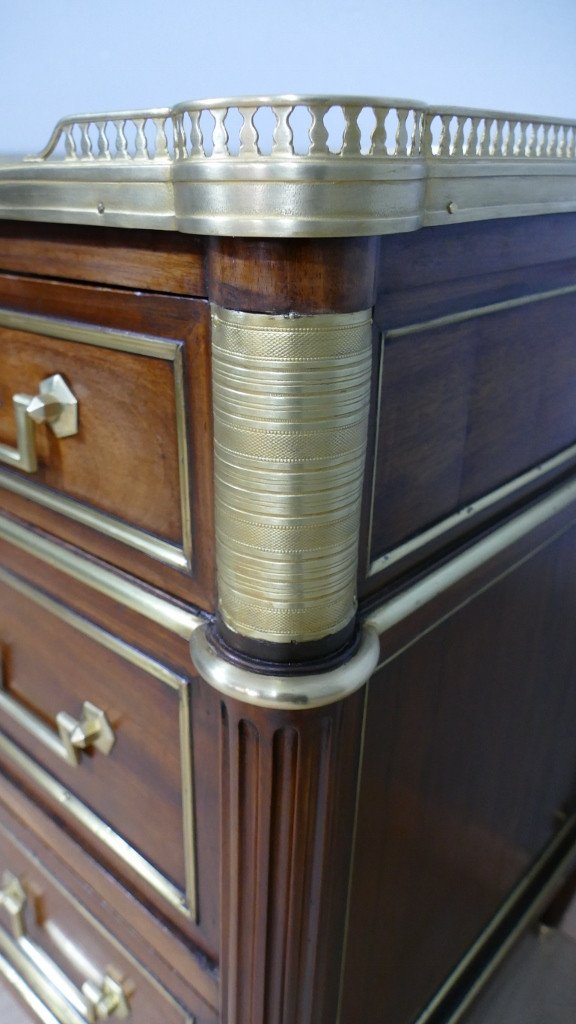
{"x":296,"y":126}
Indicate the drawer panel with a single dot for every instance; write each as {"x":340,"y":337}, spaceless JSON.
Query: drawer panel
{"x":103,"y":730}
{"x":66,"y":967}
{"x":121,"y":487}
{"x":475,"y":410}
{"x":125,"y":471}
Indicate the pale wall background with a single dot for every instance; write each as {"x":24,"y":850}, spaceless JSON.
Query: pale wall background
{"x":70,"y":56}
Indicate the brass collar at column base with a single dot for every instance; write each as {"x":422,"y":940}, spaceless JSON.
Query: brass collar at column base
{"x":284,"y":692}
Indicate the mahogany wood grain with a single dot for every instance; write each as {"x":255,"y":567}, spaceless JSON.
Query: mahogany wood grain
{"x":443,"y":255}
{"x":466,"y":407}
{"x":469,"y":766}
{"x":270,"y":275}
{"x":153,"y":260}
{"x":288,"y":800}
{"x":141,"y":389}
{"x":12,"y":1009}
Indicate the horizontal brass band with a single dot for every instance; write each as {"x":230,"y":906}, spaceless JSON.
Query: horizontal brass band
{"x":393,"y":611}
{"x":295,"y":166}
{"x":290,"y":420}
{"x":177,"y":555}
{"x":185,"y":902}
{"x":285,"y":692}
{"x":171,"y":616}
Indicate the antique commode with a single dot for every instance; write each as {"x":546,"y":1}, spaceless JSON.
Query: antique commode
{"x":288,"y":559}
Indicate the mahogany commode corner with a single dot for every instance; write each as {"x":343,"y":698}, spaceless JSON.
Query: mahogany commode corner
{"x":287,"y":559}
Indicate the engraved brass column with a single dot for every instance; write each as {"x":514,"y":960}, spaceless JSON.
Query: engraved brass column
{"x":291,"y":397}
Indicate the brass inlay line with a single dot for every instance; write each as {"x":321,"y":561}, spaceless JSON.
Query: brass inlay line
{"x":391,"y":612}
{"x":503,"y":912}
{"x":182,"y":621}
{"x":472,"y":508}
{"x":94,"y":923}
{"x":478,"y":311}
{"x":21,"y":986}
{"x":291,"y":401}
{"x":179,"y":556}
{"x":184,"y":902}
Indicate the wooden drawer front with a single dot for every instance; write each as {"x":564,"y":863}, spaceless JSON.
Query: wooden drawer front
{"x":133,"y":801}
{"x":474,"y":410}
{"x":125,"y":473}
{"x":61,"y":960}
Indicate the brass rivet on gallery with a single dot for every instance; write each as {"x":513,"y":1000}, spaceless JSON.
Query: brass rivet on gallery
{"x":452,"y":207}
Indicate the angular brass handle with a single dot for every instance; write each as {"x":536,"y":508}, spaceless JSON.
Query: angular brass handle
{"x":97,"y":1000}
{"x":92,"y":729}
{"x":74,"y":735}
{"x":56,"y":405}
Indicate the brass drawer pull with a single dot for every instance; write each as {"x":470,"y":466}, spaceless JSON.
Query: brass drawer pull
{"x":91,"y":730}
{"x":56,"y":405}
{"x":101,"y":999}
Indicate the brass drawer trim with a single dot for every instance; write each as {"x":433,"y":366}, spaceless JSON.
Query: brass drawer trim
{"x":74,"y":735}
{"x":164,"y":612}
{"x":183,"y":901}
{"x":95,"y":1001}
{"x":175,"y":555}
{"x":20,"y":982}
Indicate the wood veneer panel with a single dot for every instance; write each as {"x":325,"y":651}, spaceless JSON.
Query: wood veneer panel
{"x":441,"y":255}
{"x":183,"y":320}
{"x":469,"y":761}
{"x":466,"y":407}
{"x":154,"y":260}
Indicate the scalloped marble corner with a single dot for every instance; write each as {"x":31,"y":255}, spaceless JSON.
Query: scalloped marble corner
{"x":300,"y":166}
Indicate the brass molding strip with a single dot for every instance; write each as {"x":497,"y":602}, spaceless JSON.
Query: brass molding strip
{"x":544,"y":895}
{"x":6,"y":968}
{"x":182,"y":621}
{"x":472,"y":508}
{"x":179,"y":556}
{"x":185,"y":901}
{"x":27,"y":994}
{"x":295,"y":166}
{"x":391,"y":612}
{"x":478,"y":311}
{"x":285,"y":692}
{"x":291,"y":400}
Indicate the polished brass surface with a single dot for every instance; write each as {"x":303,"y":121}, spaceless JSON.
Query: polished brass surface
{"x":91,"y":731}
{"x":19,"y":982}
{"x":96,"y":1000}
{"x":390,"y":612}
{"x":183,"y":901}
{"x":56,"y":405}
{"x":291,"y":399}
{"x":128,"y":593}
{"x":178,"y":555}
{"x":285,"y":692}
{"x":268,"y":165}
